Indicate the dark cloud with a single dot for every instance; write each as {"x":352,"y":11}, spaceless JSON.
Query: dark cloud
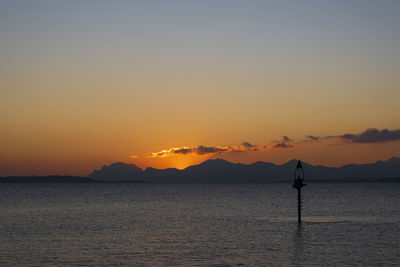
{"x":203,"y":150}
{"x":206,"y":150}
{"x":282,"y":145}
{"x":372,"y":135}
{"x":248,"y":145}
{"x":313,"y":138}
{"x":183,"y":150}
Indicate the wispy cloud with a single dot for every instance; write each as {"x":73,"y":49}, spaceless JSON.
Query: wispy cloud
{"x":282,"y":145}
{"x":207,"y":150}
{"x":248,"y":145}
{"x":313,"y":138}
{"x":285,"y":142}
{"x":370,"y":135}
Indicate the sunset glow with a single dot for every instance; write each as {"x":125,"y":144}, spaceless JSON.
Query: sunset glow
{"x":172,"y":83}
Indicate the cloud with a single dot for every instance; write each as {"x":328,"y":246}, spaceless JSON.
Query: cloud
{"x":248,"y":145}
{"x":372,"y":135}
{"x":134,"y":157}
{"x":207,"y":150}
{"x":183,"y":150}
{"x":201,"y":150}
{"x":204,"y":150}
{"x":170,"y":152}
{"x":313,"y":138}
{"x":283,"y":143}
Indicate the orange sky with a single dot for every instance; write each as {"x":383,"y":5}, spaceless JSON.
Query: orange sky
{"x":86,"y":85}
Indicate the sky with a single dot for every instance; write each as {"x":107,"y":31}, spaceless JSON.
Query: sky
{"x":173,"y":83}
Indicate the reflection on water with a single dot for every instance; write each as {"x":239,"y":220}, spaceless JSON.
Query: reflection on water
{"x":331,"y":219}
{"x":198,"y":225}
{"x":297,"y":241}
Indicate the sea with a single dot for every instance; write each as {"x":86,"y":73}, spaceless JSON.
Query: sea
{"x":122,"y":224}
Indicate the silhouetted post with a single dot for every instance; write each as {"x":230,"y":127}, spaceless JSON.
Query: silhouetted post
{"x":298,"y":184}
{"x":299,"y":205}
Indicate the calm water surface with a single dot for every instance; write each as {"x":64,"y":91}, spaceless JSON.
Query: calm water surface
{"x":198,"y":225}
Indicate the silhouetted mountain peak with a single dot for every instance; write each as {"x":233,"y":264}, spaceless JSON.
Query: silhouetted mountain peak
{"x":262,"y":164}
{"x":223,"y":171}
{"x":216,"y":162}
{"x":117,"y":171}
{"x":292,"y":162}
{"x":151,"y":169}
{"x":121,"y":165}
{"x":393,"y":160}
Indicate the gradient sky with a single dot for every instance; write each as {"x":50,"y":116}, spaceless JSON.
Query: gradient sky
{"x":88,"y":83}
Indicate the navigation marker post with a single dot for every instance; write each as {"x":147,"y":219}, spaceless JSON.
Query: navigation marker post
{"x":298,"y":184}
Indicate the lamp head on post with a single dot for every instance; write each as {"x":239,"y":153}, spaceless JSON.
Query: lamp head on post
{"x":298,"y":176}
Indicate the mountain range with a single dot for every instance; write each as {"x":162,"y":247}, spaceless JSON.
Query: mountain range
{"x":222,"y":171}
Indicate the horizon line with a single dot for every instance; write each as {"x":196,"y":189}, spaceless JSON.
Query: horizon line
{"x":143,"y":169}
{"x":212,"y":159}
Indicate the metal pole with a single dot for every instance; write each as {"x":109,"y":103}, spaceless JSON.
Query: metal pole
{"x":298,"y":184}
{"x":299,"y":205}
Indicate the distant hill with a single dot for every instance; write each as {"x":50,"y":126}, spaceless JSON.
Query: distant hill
{"x":45,"y":179}
{"x":222,"y":171}
{"x":117,"y":172}
{"x":56,"y":179}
